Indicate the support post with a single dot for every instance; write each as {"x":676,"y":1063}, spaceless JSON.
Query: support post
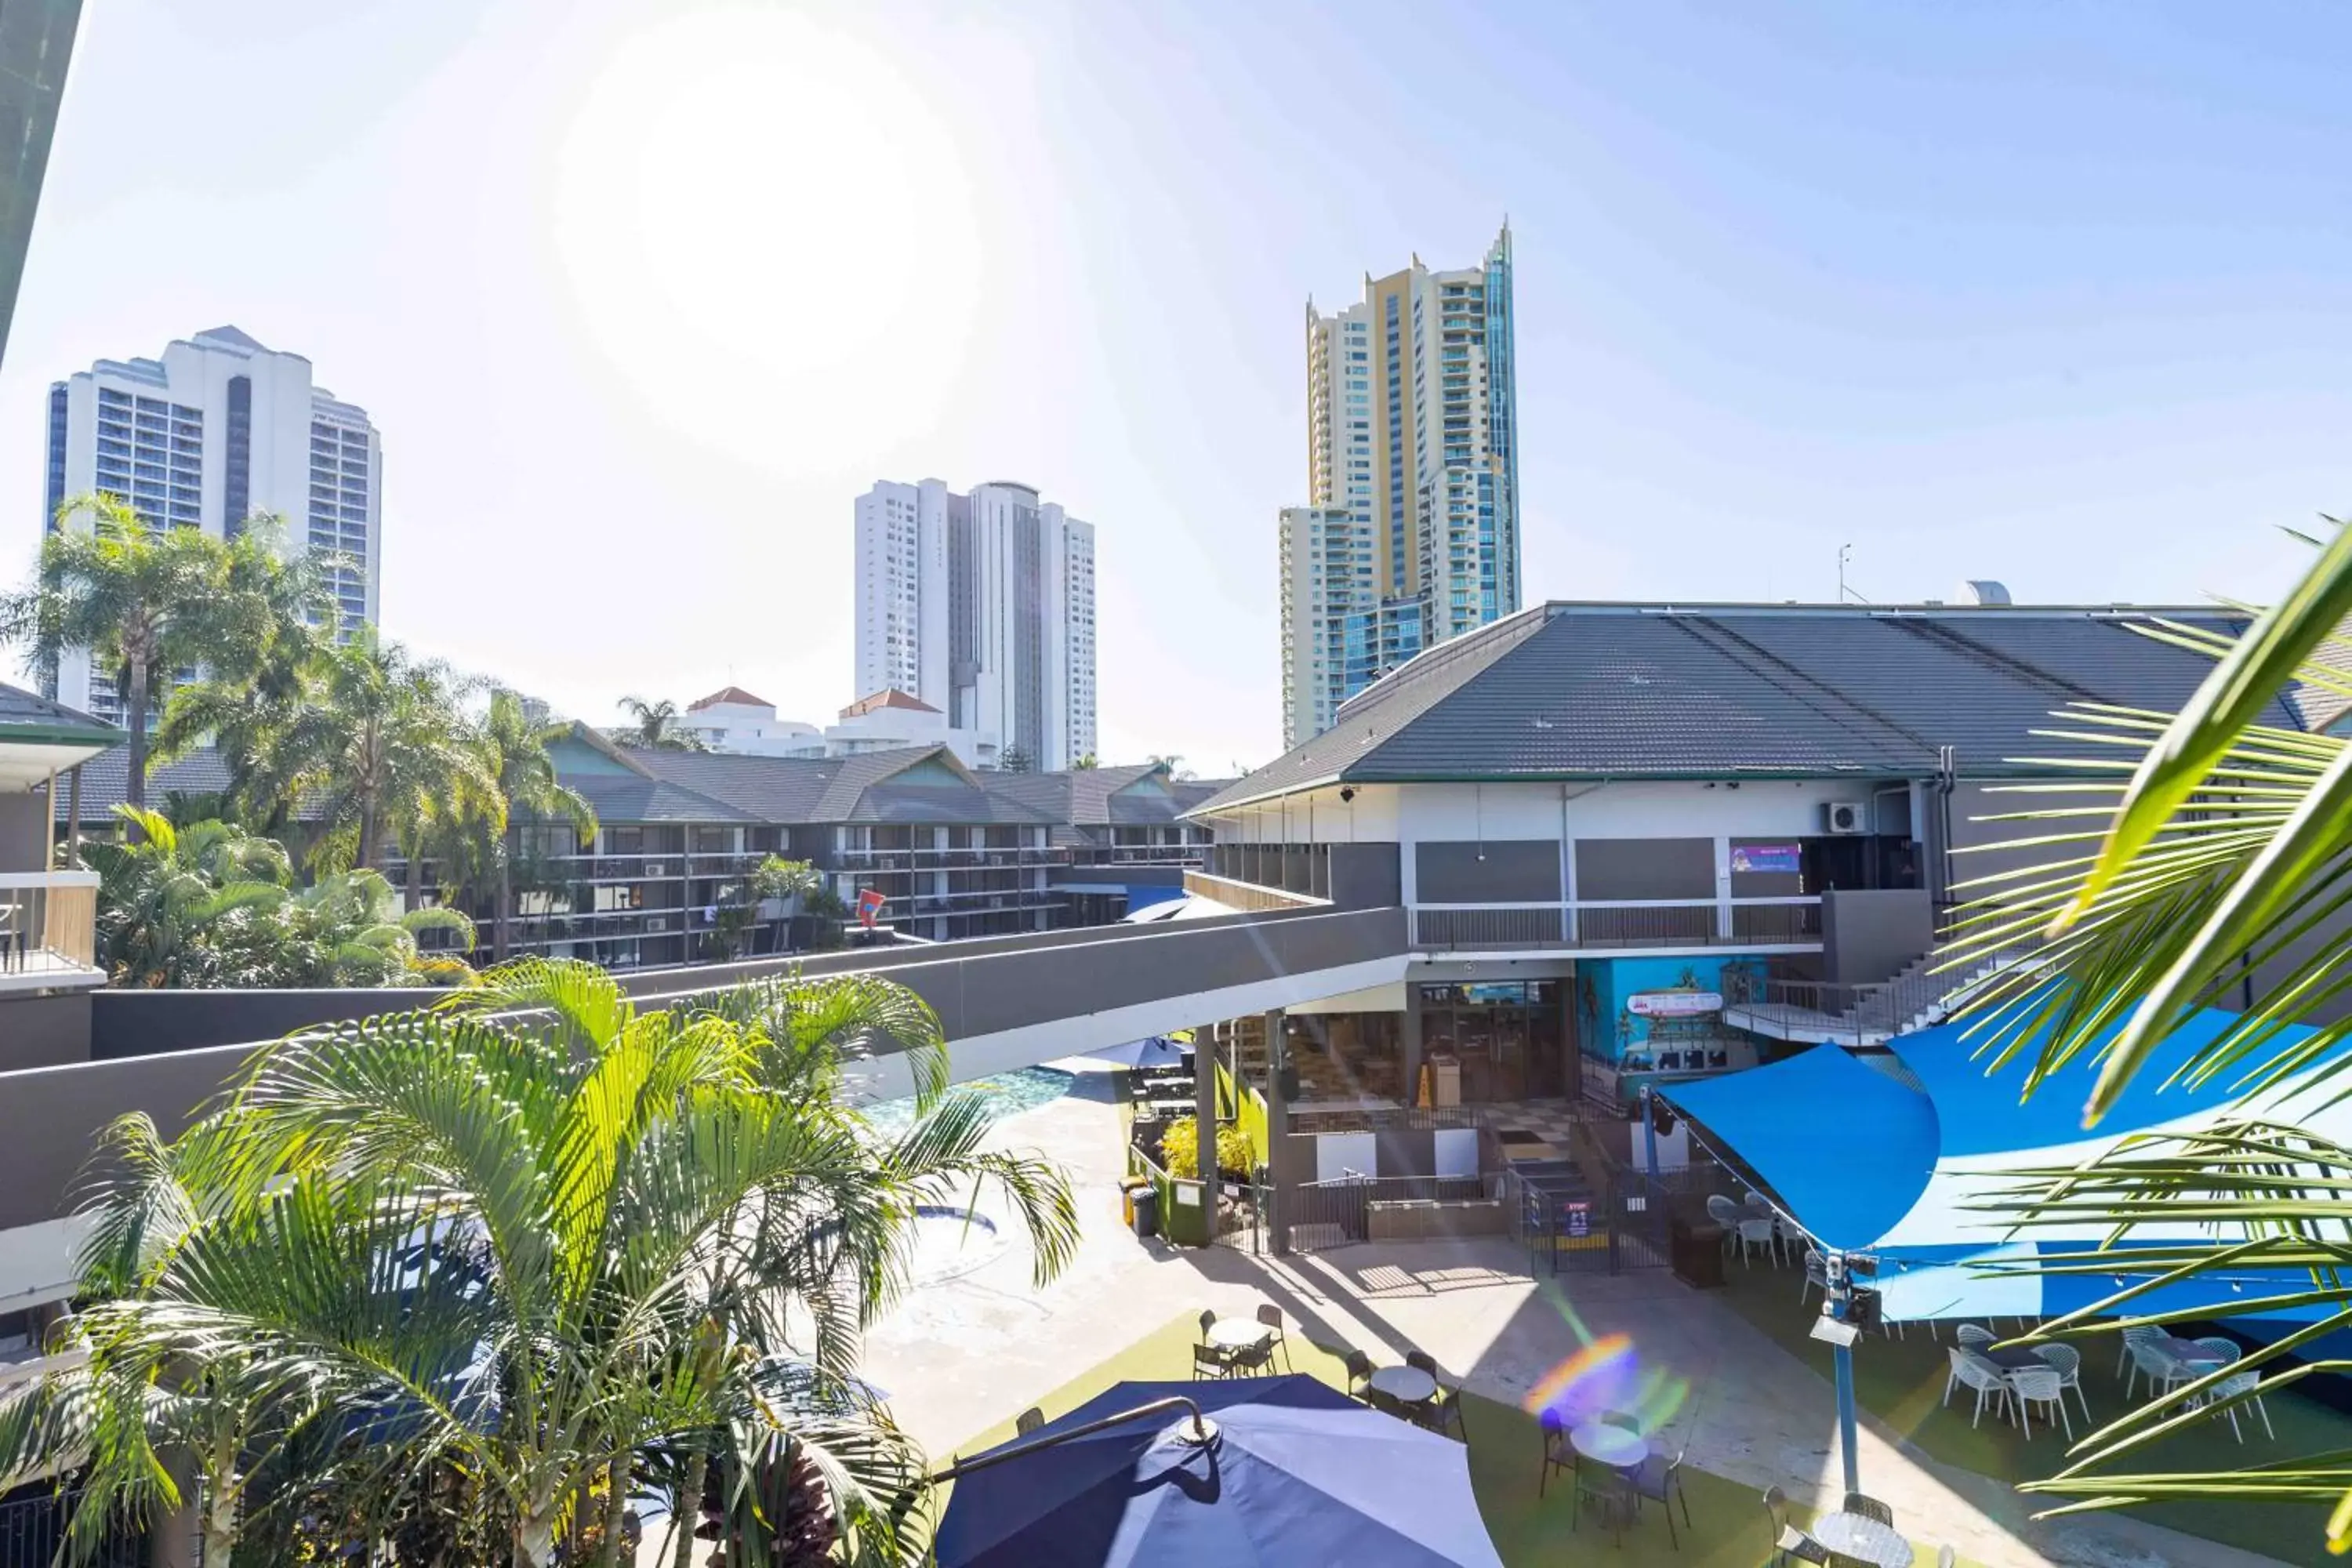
{"x":1841,"y":1299}
{"x":1204,"y":1123}
{"x":1277,"y":1124}
{"x":73,"y":819}
{"x":1649,"y":1136}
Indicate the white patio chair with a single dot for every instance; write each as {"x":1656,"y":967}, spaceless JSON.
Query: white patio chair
{"x":1970,"y":1370}
{"x":2035,"y":1385}
{"x":2067,"y":1362}
{"x":2227,"y":1351}
{"x":2243,"y":1382}
{"x":2145,"y":1335}
{"x":1817,"y":1275}
{"x":1754,"y":1231}
{"x":1724,"y":1213}
{"x":2163,"y":1369}
{"x":1974,"y":1336}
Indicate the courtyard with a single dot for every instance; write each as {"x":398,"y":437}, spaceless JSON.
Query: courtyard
{"x":1726,"y":1373}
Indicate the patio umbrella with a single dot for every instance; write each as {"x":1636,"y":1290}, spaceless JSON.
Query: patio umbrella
{"x":1294,"y":1472}
{"x":1154,"y":1051}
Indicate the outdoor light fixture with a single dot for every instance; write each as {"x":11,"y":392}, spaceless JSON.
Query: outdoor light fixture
{"x":1834,"y":1331}
{"x":1347,"y":795}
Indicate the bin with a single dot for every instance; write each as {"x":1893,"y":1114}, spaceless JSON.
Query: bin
{"x":1147,"y":1213}
{"x":1696,"y":1248}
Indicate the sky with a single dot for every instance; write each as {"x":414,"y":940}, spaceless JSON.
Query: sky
{"x":642,"y":296}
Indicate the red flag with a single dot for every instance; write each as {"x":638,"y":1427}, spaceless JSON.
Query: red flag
{"x":869,"y":905}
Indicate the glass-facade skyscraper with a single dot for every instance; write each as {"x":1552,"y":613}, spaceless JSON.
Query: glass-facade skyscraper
{"x":1411,"y":530}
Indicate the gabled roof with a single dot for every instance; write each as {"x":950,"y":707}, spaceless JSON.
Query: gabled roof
{"x":734,"y":695}
{"x":770,"y":789}
{"x":888,"y":696}
{"x":627,"y":798}
{"x":1709,"y":692}
{"x":233,"y":336}
{"x":106,"y":782}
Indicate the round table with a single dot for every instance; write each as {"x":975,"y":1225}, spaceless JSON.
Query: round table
{"x":2190,"y":1352}
{"x":1238,"y":1333}
{"x":1859,"y":1535}
{"x":1409,"y":1383}
{"x":2014,"y":1357}
{"x":1610,"y":1446}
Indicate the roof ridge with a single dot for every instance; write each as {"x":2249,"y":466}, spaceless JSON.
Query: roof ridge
{"x":1807,"y":679}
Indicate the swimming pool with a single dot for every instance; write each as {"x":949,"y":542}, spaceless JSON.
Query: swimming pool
{"x":1006,"y":1094}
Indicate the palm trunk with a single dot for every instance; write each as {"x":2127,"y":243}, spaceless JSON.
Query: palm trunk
{"x":617,"y":1506}
{"x":690,"y":1509}
{"x":416,"y":880}
{"x":502,"y":914}
{"x":135,"y":792}
{"x":368,"y":845}
{"x":219,"y":1524}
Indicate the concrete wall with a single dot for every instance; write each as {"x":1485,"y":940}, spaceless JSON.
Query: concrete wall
{"x":44,"y":1031}
{"x":50,"y":1119}
{"x":1366,"y":876}
{"x":153,"y":1023}
{"x":1487,"y":871}
{"x":1868,"y":936}
{"x":24,"y":831}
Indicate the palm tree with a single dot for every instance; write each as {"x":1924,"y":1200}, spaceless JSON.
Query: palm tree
{"x":2209,"y":852}
{"x":256,"y":684}
{"x":167,"y":892}
{"x":348,"y":928}
{"x":517,"y":748}
{"x":385,"y":751}
{"x":657,"y":726}
{"x":144,"y":601}
{"x":538,"y":1239}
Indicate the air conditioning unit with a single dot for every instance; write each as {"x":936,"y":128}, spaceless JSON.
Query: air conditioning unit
{"x":1841,"y":816}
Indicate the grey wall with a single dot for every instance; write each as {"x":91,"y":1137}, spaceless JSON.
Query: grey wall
{"x":150,"y":1022}
{"x":1365,"y":876}
{"x":1497,"y":871}
{"x":1645,"y":867}
{"x":24,"y":831}
{"x":43,"y":1031}
{"x":1868,"y":936}
{"x":50,"y":1117}
{"x":1979,"y":800}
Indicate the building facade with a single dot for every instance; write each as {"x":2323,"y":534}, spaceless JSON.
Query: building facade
{"x":1412,"y":439}
{"x":213,"y":433}
{"x":982,"y":606}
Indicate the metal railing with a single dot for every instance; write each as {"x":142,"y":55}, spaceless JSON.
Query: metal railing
{"x":48,"y":922}
{"x":1679,"y":922}
{"x":1334,"y":1213}
{"x":1920,"y":994}
{"x":33,"y":1527}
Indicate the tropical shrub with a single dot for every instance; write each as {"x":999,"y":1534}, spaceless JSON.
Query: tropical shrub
{"x":1180,"y":1148}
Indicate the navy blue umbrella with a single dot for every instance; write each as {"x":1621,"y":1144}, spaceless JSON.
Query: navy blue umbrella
{"x":1294,"y":1472}
{"x":1156,"y":1051}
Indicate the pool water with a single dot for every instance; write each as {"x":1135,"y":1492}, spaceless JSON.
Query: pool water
{"x":1006,"y":1094}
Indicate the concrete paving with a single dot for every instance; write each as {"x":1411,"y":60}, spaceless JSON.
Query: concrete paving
{"x":961,"y":1356}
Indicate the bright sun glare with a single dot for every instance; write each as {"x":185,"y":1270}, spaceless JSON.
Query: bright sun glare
{"x":767,"y":233}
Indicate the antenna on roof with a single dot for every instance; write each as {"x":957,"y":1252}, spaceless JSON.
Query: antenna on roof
{"x":1845,"y":553}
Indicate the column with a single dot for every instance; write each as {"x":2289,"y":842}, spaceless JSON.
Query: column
{"x":1409,"y":1030}
{"x":1204,"y":1123}
{"x":1277,"y":1127}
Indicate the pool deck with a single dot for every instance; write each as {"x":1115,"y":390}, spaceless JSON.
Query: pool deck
{"x":969,"y":1354}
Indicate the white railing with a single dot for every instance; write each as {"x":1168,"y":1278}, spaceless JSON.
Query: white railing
{"x":48,"y":922}
{"x":1781,"y":921}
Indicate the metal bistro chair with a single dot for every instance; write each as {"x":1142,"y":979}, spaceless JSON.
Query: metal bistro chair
{"x":1788,"y":1540}
{"x":1444,"y":1408}
{"x":1557,"y":1453}
{"x":1271,"y":1316}
{"x":1028,"y":1421}
{"x":1209,"y":1361}
{"x":1609,"y":1493}
{"x":1660,"y":1480}
{"x":1359,"y":1374}
{"x":1870,"y":1507}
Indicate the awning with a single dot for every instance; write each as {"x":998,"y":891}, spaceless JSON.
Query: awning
{"x":1844,"y":1147}
{"x":1867,"y":1163}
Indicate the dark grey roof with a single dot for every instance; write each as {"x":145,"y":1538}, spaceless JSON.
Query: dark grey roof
{"x":106,"y":782}
{"x":771,"y":789}
{"x":28,"y":716}
{"x":1586,"y":691}
{"x":621,"y":797}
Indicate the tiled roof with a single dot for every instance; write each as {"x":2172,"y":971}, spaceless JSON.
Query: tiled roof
{"x":888,"y":696}
{"x":106,"y":782}
{"x":768,"y":789}
{"x":623,"y":797}
{"x":732,"y":694}
{"x":1574,"y":691}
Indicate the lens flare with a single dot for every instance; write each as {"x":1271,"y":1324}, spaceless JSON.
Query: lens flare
{"x":1585,"y":1378}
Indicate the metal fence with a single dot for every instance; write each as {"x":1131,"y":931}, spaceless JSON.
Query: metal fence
{"x":33,"y":1526}
{"x":1334,"y":1214}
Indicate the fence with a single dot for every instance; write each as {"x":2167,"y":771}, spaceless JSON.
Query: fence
{"x":33,"y":1526}
{"x":1334,"y":1214}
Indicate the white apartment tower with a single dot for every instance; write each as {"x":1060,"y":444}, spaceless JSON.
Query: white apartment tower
{"x":217,"y":430}
{"x":1413,"y":432}
{"x":982,"y":606}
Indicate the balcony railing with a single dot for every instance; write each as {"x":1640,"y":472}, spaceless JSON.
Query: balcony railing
{"x":48,"y":926}
{"x":1667,"y":923}
{"x":1251,"y":897}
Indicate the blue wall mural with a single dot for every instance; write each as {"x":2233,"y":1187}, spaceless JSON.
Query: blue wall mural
{"x":1606,"y":1029}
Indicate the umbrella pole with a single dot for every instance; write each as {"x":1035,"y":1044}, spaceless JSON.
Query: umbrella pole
{"x":1202,"y":1433}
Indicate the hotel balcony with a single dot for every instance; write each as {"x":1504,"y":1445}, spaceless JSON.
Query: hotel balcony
{"x":48,"y":931}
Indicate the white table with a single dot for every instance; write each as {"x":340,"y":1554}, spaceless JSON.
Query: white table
{"x":1611,"y":1446}
{"x":1238,"y":1333}
{"x":1409,"y":1383}
{"x":1859,"y":1535}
